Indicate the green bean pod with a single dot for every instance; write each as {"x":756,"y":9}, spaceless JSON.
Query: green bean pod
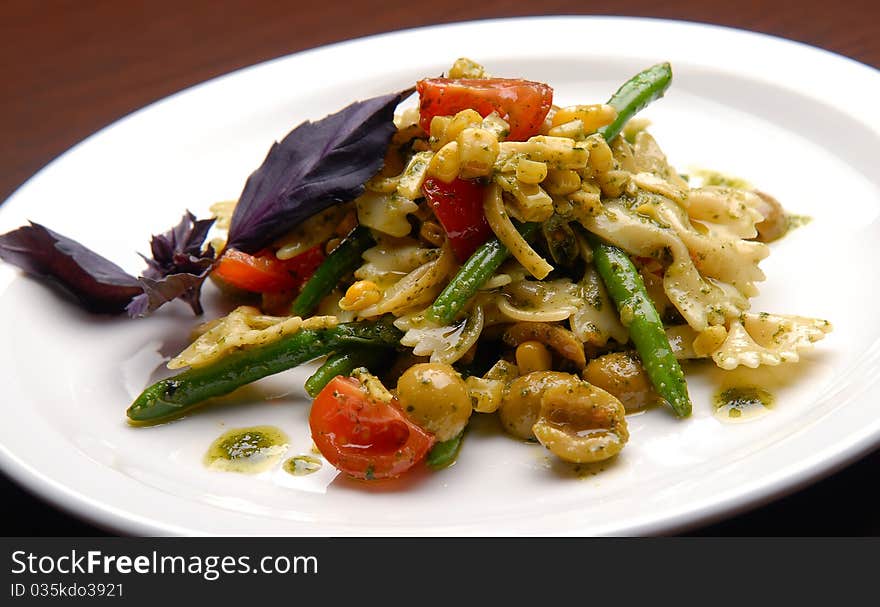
{"x":638,"y":314}
{"x":176,"y":395}
{"x":471,"y":276}
{"x":343,"y":260}
{"x":635,"y":94}
{"x":343,"y":363}
{"x":622,"y":279}
{"x":443,"y":454}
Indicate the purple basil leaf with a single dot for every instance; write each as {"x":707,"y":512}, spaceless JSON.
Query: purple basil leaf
{"x":98,"y":283}
{"x":318,"y":164}
{"x":178,"y":267}
{"x":179,"y":250}
{"x":186,"y":286}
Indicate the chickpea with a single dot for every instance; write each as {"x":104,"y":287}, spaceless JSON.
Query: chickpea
{"x":622,"y":375}
{"x":581,"y":423}
{"x":521,"y":400}
{"x":434,"y":396}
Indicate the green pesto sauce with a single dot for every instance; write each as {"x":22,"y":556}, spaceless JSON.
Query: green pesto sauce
{"x":720,"y":179}
{"x":302,"y":465}
{"x":742,"y":403}
{"x":247,"y":450}
{"x":793,"y":222}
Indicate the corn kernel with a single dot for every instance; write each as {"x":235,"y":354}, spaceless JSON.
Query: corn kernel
{"x":477,"y":150}
{"x":573,"y":129}
{"x":560,"y":183}
{"x":438,"y":127}
{"x":449,"y":128}
{"x":601,"y":159}
{"x":444,"y":164}
{"x":360,"y":295}
{"x":592,"y":117}
{"x":533,"y":356}
{"x":496,"y":125}
{"x":467,"y":68}
{"x":531,"y":171}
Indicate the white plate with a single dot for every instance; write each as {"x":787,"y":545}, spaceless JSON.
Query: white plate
{"x":798,"y":122}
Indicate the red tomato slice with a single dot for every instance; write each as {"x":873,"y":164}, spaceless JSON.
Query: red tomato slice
{"x":265,"y":273}
{"x":522,"y":103}
{"x":459,"y":208}
{"x":363,"y":437}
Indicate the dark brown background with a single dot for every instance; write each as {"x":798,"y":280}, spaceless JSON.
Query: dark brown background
{"x":71,"y":67}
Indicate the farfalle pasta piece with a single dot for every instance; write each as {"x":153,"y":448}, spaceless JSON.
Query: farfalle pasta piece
{"x":648,"y":157}
{"x":715,"y":252}
{"x":596,"y":319}
{"x":714,"y":223}
{"x":393,"y":258}
{"x":417,"y":288}
{"x":386,"y":213}
{"x":768,"y":339}
{"x":314,"y":231}
{"x":539,"y":301}
{"x":245,"y":326}
{"x":585,"y":304}
{"x":734,"y":210}
{"x":444,"y":344}
{"x":657,"y":185}
{"x":701,"y":301}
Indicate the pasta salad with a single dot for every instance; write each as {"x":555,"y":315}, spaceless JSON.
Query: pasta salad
{"x":484,"y":252}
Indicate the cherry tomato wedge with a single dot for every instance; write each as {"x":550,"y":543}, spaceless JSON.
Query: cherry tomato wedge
{"x":364,"y":437}
{"x":265,"y":273}
{"x":522,"y":103}
{"x":459,"y":208}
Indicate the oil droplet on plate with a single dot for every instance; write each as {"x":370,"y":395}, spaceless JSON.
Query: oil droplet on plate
{"x":301,"y":465}
{"x":742,"y":403}
{"x":247,"y":450}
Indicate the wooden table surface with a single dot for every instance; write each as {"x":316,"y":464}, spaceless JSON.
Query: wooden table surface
{"x":71,"y":67}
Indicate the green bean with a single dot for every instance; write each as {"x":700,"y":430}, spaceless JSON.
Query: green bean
{"x":617,"y":271}
{"x":343,"y":260}
{"x":471,"y":276}
{"x":637,"y":312}
{"x":443,"y":454}
{"x":176,"y":395}
{"x":635,"y":94}
{"x":343,"y":363}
